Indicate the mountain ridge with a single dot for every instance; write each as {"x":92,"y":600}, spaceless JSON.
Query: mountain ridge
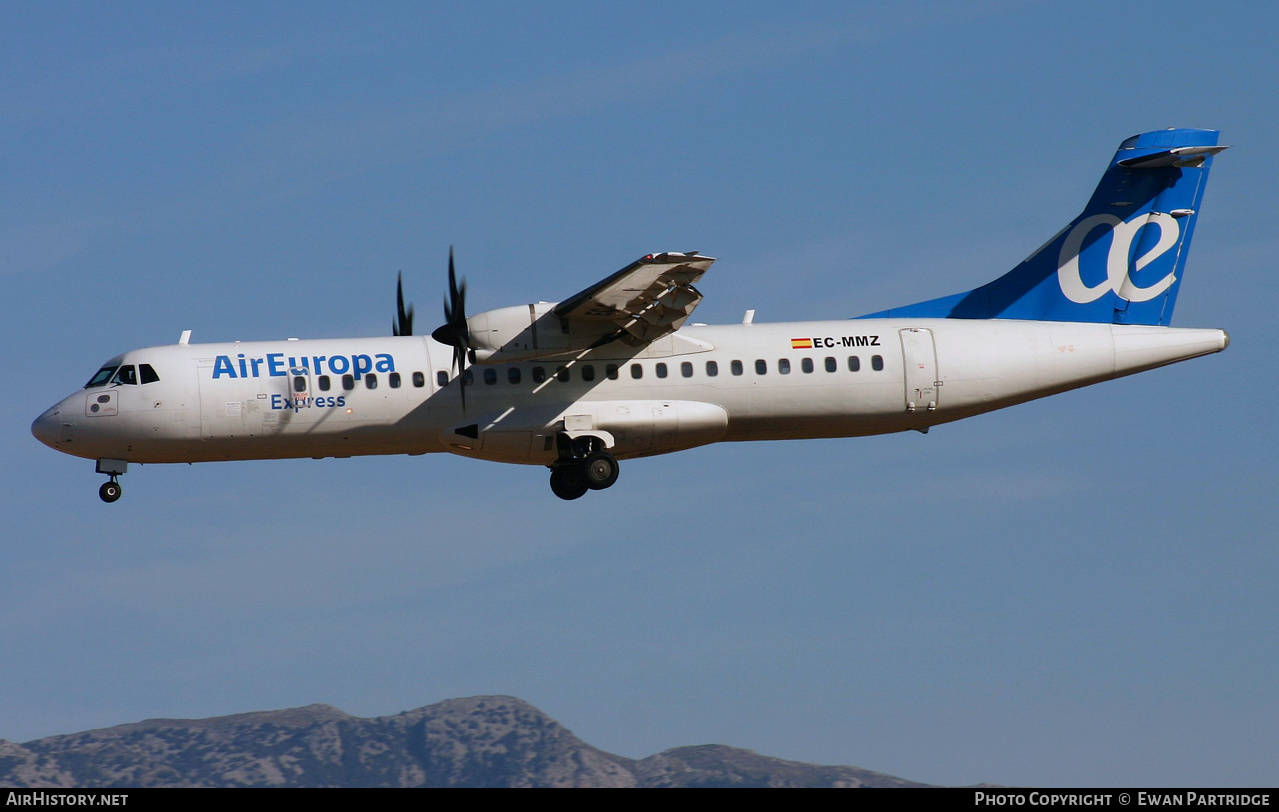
{"x":481,"y":741}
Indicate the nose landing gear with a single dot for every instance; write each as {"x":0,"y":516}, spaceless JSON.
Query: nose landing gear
{"x":583,"y":466}
{"x":110,"y":490}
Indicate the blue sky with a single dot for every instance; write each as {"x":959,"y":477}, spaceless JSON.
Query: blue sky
{"x":1078,"y":591}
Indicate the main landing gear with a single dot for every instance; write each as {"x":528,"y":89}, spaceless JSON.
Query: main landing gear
{"x":583,"y":466}
{"x":110,"y":490}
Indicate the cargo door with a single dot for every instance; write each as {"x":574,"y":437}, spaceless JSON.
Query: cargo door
{"x":230,"y":407}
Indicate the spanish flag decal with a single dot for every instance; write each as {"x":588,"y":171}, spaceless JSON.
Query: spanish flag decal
{"x":801,"y":343}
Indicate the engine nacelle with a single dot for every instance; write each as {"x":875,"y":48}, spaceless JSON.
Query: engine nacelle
{"x":529,"y":331}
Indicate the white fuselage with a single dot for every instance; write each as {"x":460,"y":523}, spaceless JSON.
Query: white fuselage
{"x":702,"y":384}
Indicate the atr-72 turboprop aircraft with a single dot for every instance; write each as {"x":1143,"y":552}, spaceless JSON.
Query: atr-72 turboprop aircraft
{"x":614,"y":372}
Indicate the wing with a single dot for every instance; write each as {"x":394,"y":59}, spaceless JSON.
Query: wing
{"x":649,"y":298}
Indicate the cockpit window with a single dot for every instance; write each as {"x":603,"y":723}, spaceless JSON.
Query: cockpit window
{"x":127,"y":375}
{"x":147,"y":373}
{"x":102,"y":377}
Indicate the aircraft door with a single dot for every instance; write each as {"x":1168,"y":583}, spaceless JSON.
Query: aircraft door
{"x":920,"y":358}
{"x":230,"y":407}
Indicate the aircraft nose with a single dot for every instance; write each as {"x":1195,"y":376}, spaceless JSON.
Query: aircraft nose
{"x":46,"y":428}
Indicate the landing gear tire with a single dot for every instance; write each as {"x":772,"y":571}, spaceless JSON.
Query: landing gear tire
{"x":600,"y":470}
{"x":568,"y":482}
{"x":110,"y":491}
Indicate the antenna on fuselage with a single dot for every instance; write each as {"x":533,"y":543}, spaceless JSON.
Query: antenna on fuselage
{"x":185,"y":338}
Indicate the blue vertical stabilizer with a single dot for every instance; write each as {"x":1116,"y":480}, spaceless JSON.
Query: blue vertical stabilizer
{"x":1121,"y":260}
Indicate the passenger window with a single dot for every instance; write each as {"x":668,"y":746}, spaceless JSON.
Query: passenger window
{"x":299,"y":383}
{"x":660,"y":369}
{"x":441,"y":378}
{"x":419,"y":379}
{"x":761,"y":367}
{"x":324,"y":383}
{"x":783,"y":366}
{"x":806,"y":365}
{"x":148,"y":374}
{"x":562,"y":373}
{"x":539,"y":374}
{"x":588,"y":373}
{"x":877,"y":363}
{"x":394,"y":380}
{"x":831,"y":364}
{"x":468,"y":378}
{"x":348,"y":382}
{"x":490,"y":376}
{"x":637,"y":371}
{"x":712,"y":369}
{"x":854,"y":363}
{"x":686,"y":369}
{"x":610,"y":372}
{"x":513,"y":375}
{"x":736,"y":367}
{"x":370,"y":380}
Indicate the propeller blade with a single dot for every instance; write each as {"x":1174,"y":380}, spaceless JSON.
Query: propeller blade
{"x":403,"y":324}
{"x":454,"y":331}
{"x":455,"y":305}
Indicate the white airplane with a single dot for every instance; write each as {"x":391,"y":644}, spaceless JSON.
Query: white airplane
{"x":615,"y":372}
